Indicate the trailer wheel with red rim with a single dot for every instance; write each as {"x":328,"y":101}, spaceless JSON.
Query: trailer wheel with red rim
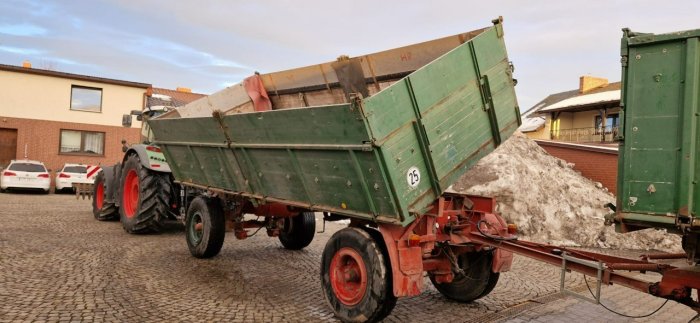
{"x":102,"y":208}
{"x":145,"y":197}
{"x":356,"y":277}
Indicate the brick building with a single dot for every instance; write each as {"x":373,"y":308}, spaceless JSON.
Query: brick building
{"x":598,"y":163}
{"x":58,"y":118}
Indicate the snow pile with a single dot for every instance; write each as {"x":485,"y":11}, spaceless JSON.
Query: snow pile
{"x":550,"y":202}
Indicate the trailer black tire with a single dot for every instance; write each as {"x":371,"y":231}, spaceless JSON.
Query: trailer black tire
{"x":362,"y":258}
{"x":145,"y":196}
{"x":298,"y":231}
{"x":476,"y":282}
{"x":102,"y":209}
{"x":379,"y":239}
{"x":209,"y":215}
{"x":493,"y":280}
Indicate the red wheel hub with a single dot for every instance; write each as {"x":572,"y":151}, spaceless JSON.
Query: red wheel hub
{"x":348,"y":276}
{"x":100,"y":195}
{"x":130,"y":200}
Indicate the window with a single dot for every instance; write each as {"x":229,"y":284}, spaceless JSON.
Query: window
{"x":75,"y":169}
{"x":612,"y":121}
{"x":27,"y":167}
{"x":86,"y":99}
{"x":82,"y":142}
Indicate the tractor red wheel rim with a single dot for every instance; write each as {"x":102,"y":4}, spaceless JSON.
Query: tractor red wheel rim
{"x":348,"y":276}
{"x":131,"y":193}
{"x":100,"y":195}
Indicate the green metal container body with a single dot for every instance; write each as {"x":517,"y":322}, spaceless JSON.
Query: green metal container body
{"x":384,"y":158}
{"x":658,"y":164}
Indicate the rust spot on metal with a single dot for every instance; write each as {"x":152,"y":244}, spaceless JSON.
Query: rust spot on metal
{"x":462,"y":38}
{"x":325,"y":79}
{"x":639,"y":267}
{"x":219,"y":117}
{"x":653,"y":256}
{"x":683,"y":211}
{"x":371,"y":71}
{"x":274,"y":87}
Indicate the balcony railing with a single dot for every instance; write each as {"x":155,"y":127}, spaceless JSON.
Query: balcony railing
{"x":586,"y":134}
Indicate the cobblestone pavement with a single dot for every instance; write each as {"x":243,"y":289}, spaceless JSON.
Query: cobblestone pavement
{"x":59,"y":264}
{"x":617,"y":298}
{"x":635,"y":305}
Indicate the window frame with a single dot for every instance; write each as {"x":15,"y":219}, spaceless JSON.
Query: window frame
{"x":70,"y":103}
{"x":82,"y":143}
{"x":615,"y":122}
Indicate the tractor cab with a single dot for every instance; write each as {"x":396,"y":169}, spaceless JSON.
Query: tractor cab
{"x":144,"y":116}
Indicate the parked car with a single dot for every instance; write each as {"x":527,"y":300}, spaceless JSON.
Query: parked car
{"x":72,"y":173}
{"x":25,"y":174}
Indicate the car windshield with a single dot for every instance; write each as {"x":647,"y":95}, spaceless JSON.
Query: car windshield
{"x":75,"y":169}
{"x":28,"y":167}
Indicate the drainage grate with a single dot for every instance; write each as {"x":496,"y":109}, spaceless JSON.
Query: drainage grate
{"x":517,"y":309}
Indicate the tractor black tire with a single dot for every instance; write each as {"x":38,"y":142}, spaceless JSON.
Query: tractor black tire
{"x":298,"y":231}
{"x":102,"y":209}
{"x":356,"y":249}
{"x":145,"y":196}
{"x":206,"y":241}
{"x":477,"y":281}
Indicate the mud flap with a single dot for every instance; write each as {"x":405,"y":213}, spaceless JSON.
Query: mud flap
{"x":502,"y":260}
{"x":406,"y":262}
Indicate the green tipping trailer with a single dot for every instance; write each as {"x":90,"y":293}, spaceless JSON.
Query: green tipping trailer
{"x":385,"y":157}
{"x":658,"y":163}
{"x":377,"y":139}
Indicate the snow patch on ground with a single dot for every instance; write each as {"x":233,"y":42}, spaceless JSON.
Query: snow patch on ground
{"x":550,"y":202}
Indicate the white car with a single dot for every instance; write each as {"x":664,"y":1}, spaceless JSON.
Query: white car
{"x":25,"y":174}
{"x":72,"y":173}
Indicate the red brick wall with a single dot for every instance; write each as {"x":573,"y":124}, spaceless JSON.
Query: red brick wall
{"x":42,"y":140}
{"x":600,"y":165}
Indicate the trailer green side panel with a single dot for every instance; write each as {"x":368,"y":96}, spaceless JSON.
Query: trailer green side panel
{"x":383,"y":158}
{"x":318,"y":156}
{"x":441,"y":119}
{"x":657,"y":175}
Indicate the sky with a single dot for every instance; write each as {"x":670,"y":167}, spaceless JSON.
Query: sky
{"x":208,"y":45}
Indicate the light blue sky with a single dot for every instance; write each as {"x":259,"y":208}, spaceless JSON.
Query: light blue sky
{"x":206,"y":45}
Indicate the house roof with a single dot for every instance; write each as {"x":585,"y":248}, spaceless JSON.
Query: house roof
{"x":171,"y":98}
{"x":532,"y":124}
{"x":584,"y":100}
{"x":574,"y":99}
{"x":37,"y":71}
